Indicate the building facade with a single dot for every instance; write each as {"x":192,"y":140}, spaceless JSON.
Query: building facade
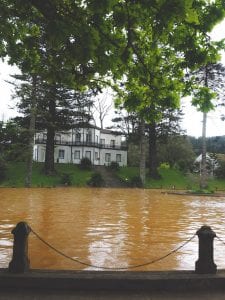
{"x":101,"y":146}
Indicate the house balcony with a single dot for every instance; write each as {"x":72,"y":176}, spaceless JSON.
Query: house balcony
{"x":83,"y":144}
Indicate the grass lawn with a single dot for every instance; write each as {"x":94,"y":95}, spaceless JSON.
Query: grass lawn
{"x":170,"y":178}
{"x":15,"y":176}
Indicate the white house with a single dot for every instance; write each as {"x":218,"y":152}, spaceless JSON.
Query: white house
{"x":101,"y":146}
{"x":211,"y":163}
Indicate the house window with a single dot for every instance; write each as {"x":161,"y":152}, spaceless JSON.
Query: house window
{"x":108,"y":157}
{"x":61,"y":154}
{"x":102,"y":142}
{"x":77,"y":137}
{"x":118,"y":158}
{"x":96,"y":138}
{"x":88,"y":154}
{"x":112,"y":143}
{"x":88,"y":137}
{"x":44,"y":136}
{"x":77,"y":154}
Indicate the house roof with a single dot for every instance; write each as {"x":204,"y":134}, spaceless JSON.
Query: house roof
{"x":199,"y":158}
{"x":110,"y":132}
{"x":86,"y":125}
{"x":107,"y":131}
{"x":209,"y":156}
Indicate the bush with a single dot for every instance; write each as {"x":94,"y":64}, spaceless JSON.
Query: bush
{"x":85,"y":164}
{"x":3,"y":169}
{"x":66,"y":179}
{"x":165,"y":166}
{"x":16,"y":153}
{"x":114,"y":166}
{"x":96,"y":180}
{"x":136,"y":182}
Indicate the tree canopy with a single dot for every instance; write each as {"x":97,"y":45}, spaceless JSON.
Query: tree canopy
{"x":85,"y":40}
{"x":141,"y":48}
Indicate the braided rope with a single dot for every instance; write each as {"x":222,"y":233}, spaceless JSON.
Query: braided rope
{"x":219,"y":239}
{"x":111,"y":268}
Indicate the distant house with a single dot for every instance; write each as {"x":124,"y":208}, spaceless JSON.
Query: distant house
{"x":101,"y":146}
{"x":211,"y":163}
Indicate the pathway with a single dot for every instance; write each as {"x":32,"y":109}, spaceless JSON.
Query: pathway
{"x":110,"y":178}
{"x":102,"y":295}
{"x":102,"y":285}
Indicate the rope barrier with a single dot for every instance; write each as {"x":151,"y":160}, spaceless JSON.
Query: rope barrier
{"x":219,"y":239}
{"x":111,"y":268}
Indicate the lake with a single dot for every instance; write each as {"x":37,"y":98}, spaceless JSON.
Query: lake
{"x":110,"y":227}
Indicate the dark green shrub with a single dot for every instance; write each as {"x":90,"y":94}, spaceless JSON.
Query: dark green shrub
{"x":136,"y":182}
{"x":114,"y":166}
{"x":3,"y":169}
{"x":66,"y":179}
{"x":16,"y":152}
{"x":85,"y":164}
{"x":220,"y":171}
{"x":96,"y":180}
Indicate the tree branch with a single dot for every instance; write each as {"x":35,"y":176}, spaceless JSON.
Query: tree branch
{"x":46,"y":8}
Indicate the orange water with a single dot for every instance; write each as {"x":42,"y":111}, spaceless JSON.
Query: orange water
{"x":110,"y":227}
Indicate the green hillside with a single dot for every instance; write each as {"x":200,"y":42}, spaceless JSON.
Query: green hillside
{"x":15,"y":175}
{"x":170,"y":178}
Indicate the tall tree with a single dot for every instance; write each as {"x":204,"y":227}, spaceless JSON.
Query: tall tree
{"x":68,"y":43}
{"x":177,"y":151}
{"x":103,"y":105}
{"x":65,"y":109}
{"x":13,"y":140}
{"x":52,"y":108}
{"x":31,"y":132}
{"x":147,"y":46}
{"x":160,"y":51}
{"x":142,"y":162}
{"x":126,"y":122}
{"x":27,"y":92}
{"x":208,"y":83}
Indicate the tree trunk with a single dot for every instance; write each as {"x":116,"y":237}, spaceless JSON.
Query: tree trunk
{"x":153,"y":163}
{"x":29,"y":162}
{"x":142,"y":152}
{"x":50,"y":142}
{"x":203,"y":169}
{"x":101,"y":123}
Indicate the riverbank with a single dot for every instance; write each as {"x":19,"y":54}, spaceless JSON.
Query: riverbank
{"x":38,"y":284}
{"x":190,"y":193}
{"x":170,"y":178}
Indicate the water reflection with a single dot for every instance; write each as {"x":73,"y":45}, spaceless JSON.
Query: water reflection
{"x":109,"y":227}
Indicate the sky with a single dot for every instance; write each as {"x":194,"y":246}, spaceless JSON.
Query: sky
{"x":192,"y":121}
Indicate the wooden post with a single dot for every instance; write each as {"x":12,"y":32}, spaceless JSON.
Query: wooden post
{"x":205,"y":263}
{"x":20,"y":262}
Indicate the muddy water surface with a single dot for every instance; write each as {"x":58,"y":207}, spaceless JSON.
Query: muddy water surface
{"x":110,"y":227}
